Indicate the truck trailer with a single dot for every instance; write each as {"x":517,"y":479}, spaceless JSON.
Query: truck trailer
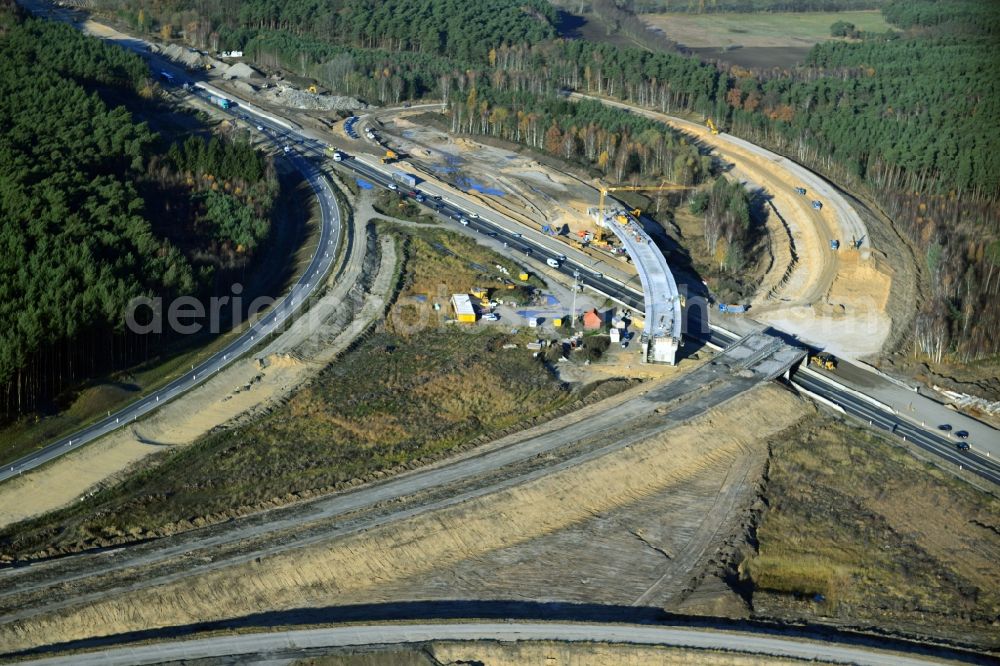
{"x":221,"y":102}
{"x":405,"y":178}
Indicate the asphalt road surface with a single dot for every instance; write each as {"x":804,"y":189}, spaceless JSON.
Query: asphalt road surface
{"x":295,"y":644}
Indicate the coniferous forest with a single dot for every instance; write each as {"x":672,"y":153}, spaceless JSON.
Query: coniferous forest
{"x":95,"y":209}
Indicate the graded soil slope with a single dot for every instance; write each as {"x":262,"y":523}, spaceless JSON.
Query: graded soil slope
{"x":833,"y":299}
{"x":380,"y":564}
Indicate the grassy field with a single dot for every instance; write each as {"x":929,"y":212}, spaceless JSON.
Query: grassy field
{"x":391,"y":204}
{"x":408,"y":391}
{"x":861,"y":532}
{"x":764,"y":30}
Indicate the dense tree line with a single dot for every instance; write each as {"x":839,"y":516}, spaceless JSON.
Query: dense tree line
{"x":464,"y":29}
{"x":83,"y":222}
{"x":235,"y":191}
{"x":623,"y":146}
{"x":728,"y":234}
{"x":961,"y":16}
{"x":372,"y":74}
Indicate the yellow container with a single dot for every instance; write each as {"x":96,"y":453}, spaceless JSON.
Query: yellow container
{"x":523,"y":277}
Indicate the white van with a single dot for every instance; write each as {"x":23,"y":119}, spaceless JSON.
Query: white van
{"x":554,"y":263}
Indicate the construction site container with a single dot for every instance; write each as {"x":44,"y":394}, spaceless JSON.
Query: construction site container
{"x":462,"y":305}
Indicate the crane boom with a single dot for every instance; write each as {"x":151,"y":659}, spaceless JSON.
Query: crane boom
{"x":630,"y":188}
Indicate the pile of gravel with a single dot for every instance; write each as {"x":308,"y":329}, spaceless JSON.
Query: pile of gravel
{"x":241,"y":70}
{"x":297,"y":99}
{"x":187,"y":57}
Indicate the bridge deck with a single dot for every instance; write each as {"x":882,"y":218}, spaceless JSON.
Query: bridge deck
{"x":662,"y":300}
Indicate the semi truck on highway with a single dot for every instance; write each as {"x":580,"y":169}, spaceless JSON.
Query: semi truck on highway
{"x":221,"y":102}
{"x":404,"y":178}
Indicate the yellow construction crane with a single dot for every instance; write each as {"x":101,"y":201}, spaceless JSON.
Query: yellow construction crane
{"x":629,"y":188}
{"x":711,"y":126}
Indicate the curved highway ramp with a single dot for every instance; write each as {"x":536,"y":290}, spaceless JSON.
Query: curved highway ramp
{"x":663,"y":325}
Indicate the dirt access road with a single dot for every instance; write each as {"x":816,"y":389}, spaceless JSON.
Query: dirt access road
{"x":835,"y":300}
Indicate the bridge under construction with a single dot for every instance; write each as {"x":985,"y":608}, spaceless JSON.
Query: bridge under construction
{"x":661,"y":336}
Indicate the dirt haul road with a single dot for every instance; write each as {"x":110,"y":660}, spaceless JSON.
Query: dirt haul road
{"x":834,"y":299}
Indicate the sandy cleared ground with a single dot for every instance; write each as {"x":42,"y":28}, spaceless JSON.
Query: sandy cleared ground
{"x":832,"y":299}
{"x":515,"y":185}
{"x":367,"y":566}
{"x":242,"y":389}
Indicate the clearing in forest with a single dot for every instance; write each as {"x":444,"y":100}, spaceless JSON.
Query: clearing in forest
{"x":760,"y":30}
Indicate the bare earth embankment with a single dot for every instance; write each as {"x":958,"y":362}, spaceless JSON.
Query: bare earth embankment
{"x":403,"y":559}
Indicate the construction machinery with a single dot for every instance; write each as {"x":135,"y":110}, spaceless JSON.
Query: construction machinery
{"x":622,"y":219}
{"x":711,"y":126}
{"x":390,"y":157}
{"x":825,"y":361}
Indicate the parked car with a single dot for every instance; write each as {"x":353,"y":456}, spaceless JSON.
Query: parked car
{"x":946,"y":427}
{"x":962,"y":434}
{"x":962,"y":446}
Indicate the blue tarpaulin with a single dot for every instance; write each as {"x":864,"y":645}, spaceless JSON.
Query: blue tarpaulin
{"x":469,"y":184}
